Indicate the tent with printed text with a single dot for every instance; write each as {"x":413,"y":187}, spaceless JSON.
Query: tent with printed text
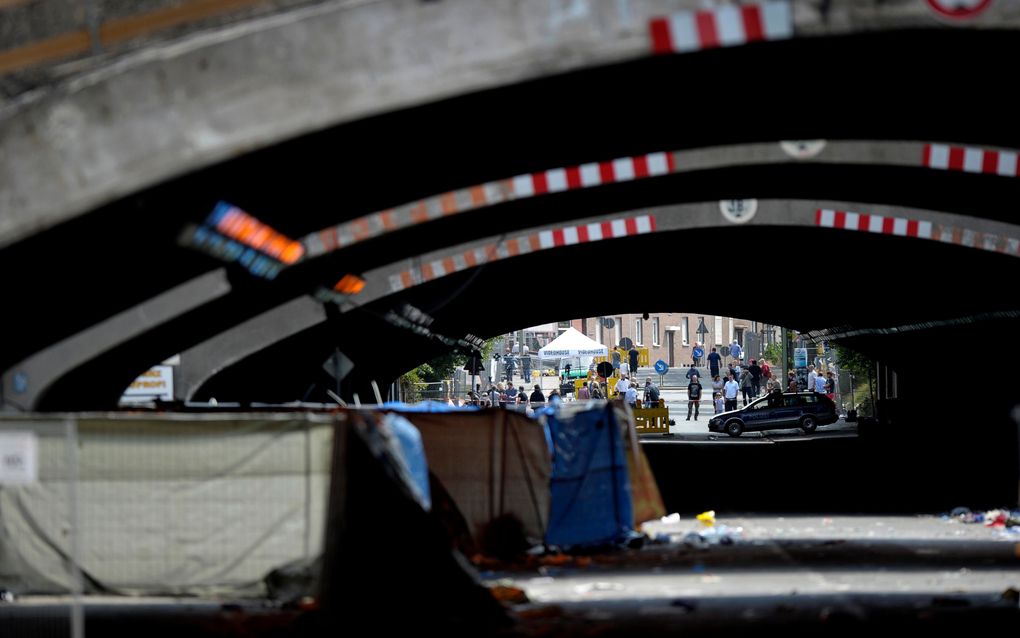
{"x":573,"y":344}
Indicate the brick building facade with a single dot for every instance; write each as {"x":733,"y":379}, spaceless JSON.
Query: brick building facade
{"x":672,"y":336}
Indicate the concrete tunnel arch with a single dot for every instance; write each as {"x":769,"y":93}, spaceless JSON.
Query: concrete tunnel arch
{"x":826,"y":310}
{"x":174,"y":203}
{"x":298,"y":314}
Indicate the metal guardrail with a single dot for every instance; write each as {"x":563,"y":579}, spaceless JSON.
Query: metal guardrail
{"x":41,"y":32}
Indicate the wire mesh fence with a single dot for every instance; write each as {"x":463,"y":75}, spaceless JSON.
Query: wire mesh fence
{"x":170,"y":505}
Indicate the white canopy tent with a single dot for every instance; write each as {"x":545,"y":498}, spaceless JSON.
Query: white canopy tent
{"x":572,"y":344}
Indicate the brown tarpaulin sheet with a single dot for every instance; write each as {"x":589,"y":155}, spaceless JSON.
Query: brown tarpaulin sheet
{"x":491,"y":462}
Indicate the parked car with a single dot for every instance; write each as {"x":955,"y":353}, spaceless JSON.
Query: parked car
{"x":805,"y":410}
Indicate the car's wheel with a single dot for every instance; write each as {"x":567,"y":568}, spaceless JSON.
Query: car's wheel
{"x":808,"y":424}
{"x":734,"y":428}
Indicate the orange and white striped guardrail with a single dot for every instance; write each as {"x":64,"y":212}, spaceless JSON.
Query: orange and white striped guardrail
{"x":726,"y":26}
{"x":581,"y":176}
{"x":524,"y":244}
{"x":921,"y":229}
{"x":970,"y":159}
{"x":489,"y":194}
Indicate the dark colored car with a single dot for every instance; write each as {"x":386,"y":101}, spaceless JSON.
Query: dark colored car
{"x":805,"y":410}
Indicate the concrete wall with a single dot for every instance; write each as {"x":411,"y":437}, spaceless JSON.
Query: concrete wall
{"x":177,"y":107}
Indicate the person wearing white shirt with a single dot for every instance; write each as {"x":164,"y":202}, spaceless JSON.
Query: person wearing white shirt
{"x":631,"y":396}
{"x":621,"y":386}
{"x":730,"y":390}
{"x":819,"y":384}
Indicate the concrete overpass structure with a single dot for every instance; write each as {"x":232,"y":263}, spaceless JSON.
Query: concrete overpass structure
{"x":370,"y":121}
{"x":418,"y":133}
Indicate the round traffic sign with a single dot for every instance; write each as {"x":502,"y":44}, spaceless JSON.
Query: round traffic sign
{"x":958,"y":9}
{"x":698,"y":352}
{"x":626,"y":343}
{"x":661,"y":367}
{"x":605,"y":369}
{"x":738,"y":211}
{"x":802,"y":149}
{"x":724,"y":351}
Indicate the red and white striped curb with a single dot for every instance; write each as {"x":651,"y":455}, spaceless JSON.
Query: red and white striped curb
{"x":724,"y":26}
{"x":970,"y":160}
{"x":902,"y":227}
{"x":541,"y":240}
{"x":459,"y":201}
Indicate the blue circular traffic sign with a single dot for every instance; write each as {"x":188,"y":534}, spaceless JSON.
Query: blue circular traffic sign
{"x":661,"y":367}
{"x":698,"y":352}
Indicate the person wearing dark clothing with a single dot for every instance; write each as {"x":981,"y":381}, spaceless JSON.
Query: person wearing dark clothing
{"x":633,"y":352}
{"x":755,"y":371}
{"x":537,"y":396}
{"x":714,"y":361}
{"x":691,"y":372}
{"x":651,"y":398}
{"x":693,"y":397}
{"x":775,"y":398}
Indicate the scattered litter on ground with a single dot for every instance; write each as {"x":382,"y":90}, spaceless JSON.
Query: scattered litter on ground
{"x":1005,"y":521}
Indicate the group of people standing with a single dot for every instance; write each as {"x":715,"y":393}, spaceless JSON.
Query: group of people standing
{"x":746,"y":381}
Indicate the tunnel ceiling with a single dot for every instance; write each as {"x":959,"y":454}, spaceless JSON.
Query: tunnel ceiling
{"x":917,"y":85}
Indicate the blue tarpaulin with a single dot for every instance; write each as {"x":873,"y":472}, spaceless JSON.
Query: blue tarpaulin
{"x":426,"y":406}
{"x":413,"y":452}
{"x":591,"y":502}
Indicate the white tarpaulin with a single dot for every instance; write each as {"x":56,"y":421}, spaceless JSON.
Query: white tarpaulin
{"x":573,"y":344}
{"x":167,"y":504}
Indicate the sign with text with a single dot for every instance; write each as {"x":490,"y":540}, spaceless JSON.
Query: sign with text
{"x":156,"y":383}
{"x":19,"y":458}
{"x":800,"y":357}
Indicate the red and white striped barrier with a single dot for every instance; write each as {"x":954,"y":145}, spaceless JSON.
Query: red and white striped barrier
{"x":459,"y":201}
{"x":725,"y":26}
{"x":970,"y":160}
{"x":901,"y":227}
{"x":541,"y":240}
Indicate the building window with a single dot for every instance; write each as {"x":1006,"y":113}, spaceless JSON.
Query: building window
{"x":685,"y":332}
{"x":584,"y":327}
{"x":655,"y":331}
{"x":618,"y":331}
{"x":639,"y":333}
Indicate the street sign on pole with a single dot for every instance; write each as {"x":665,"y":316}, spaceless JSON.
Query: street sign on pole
{"x":800,"y":357}
{"x":662,"y":369}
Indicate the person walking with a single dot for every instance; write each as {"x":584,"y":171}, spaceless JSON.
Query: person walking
{"x":714,"y":361}
{"x":634,"y":353}
{"x":693,"y":397}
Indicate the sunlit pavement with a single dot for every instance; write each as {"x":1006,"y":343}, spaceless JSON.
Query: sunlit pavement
{"x":801,"y":570}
